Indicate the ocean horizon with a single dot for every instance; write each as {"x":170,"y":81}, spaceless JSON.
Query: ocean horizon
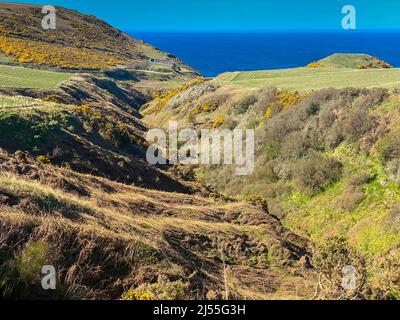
{"x":213,"y":53}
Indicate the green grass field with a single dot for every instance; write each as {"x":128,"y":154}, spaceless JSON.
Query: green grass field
{"x":20,"y":77}
{"x":305,"y":79}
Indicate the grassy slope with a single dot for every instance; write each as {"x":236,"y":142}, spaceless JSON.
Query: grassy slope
{"x":305,"y":79}
{"x":144,"y":234}
{"x":367,"y":225}
{"x":19,"y":77}
{"x":353,"y":61}
{"x":79,"y":42}
{"x":104,"y":234}
{"x":103,"y":140}
{"x":119,"y":236}
{"x":106,"y":237}
{"x":317,"y":216}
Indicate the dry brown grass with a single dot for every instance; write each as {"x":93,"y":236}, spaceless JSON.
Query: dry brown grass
{"x":108,"y":237}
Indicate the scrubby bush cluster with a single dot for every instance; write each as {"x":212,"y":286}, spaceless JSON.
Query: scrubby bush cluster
{"x":243,"y":104}
{"x":296,"y":136}
{"x":316,"y":172}
{"x":332,"y":259}
{"x":115,"y":133}
{"x":173,"y":100}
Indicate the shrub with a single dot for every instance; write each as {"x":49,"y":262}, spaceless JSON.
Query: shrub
{"x":389,"y":147}
{"x":334,"y":137}
{"x":299,"y":144}
{"x":162,"y":290}
{"x":243,"y":104}
{"x":20,"y":275}
{"x":115,"y":133}
{"x":192,"y":119}
{"x":361,"y":179}
{"x":210,"y":104}
{"x":276,"y":209}
{"x":206,"y":107}
{"x":229,"y":123}
{"x":316,"y":173}
{"x":329,"y":259}
{"x":257,"y":200}
{"x":326,"y":117}
{"x":133,"y":295}
{"x":265,"y":173}
{"x":350,"y":199}
{"x":30,"y":261}
{"x":272,"y":150}
{"x":392,"y":169}
{"x":357,"y":123}
{"x":218,"y":122}
{"x":28,"y":51}
{"x":386,"y":276}
{"x":44,"y":159}
{"x":252,"y":124}
{"x":284,"y":100}
{"x":372,"y":98}
{"x":314,"y":65}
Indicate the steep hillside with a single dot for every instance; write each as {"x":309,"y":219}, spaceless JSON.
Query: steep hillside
{"x":76,"y":191}
{"x":327,"y":161}
{"x":87,"y":121}
{"x":107,"y":238}
{"x":96,"y":137}
{"x":79,"y":41}
{"x":70,"y":196}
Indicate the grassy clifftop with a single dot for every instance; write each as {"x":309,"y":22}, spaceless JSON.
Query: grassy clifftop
{"x":353,"y":61}
{"x":336,"y":71}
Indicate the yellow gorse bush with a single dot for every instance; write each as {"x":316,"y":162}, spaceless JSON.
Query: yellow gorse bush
{"x":43,"y":159}
{"x":285,"y":100}
{"x":161,"y":101}
{"x":315,"y":65}
{"x":219,"y":121}
{"x":207,"y":107}
{"x":133,"y":295}
{"x":28,"y":51}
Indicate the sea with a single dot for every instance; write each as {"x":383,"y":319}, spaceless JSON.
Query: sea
{"x":213,"y":53}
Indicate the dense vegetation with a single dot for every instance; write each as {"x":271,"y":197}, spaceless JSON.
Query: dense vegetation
{"x":76,"y":191}
{"x":327,"y":162}
{"x":27,"y":51}
{"x":114,"y":240}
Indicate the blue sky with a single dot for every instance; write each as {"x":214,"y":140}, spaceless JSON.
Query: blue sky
{"x":233,"y":15}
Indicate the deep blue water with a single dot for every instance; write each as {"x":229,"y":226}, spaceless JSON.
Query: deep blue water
{"x":214,"y":53}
